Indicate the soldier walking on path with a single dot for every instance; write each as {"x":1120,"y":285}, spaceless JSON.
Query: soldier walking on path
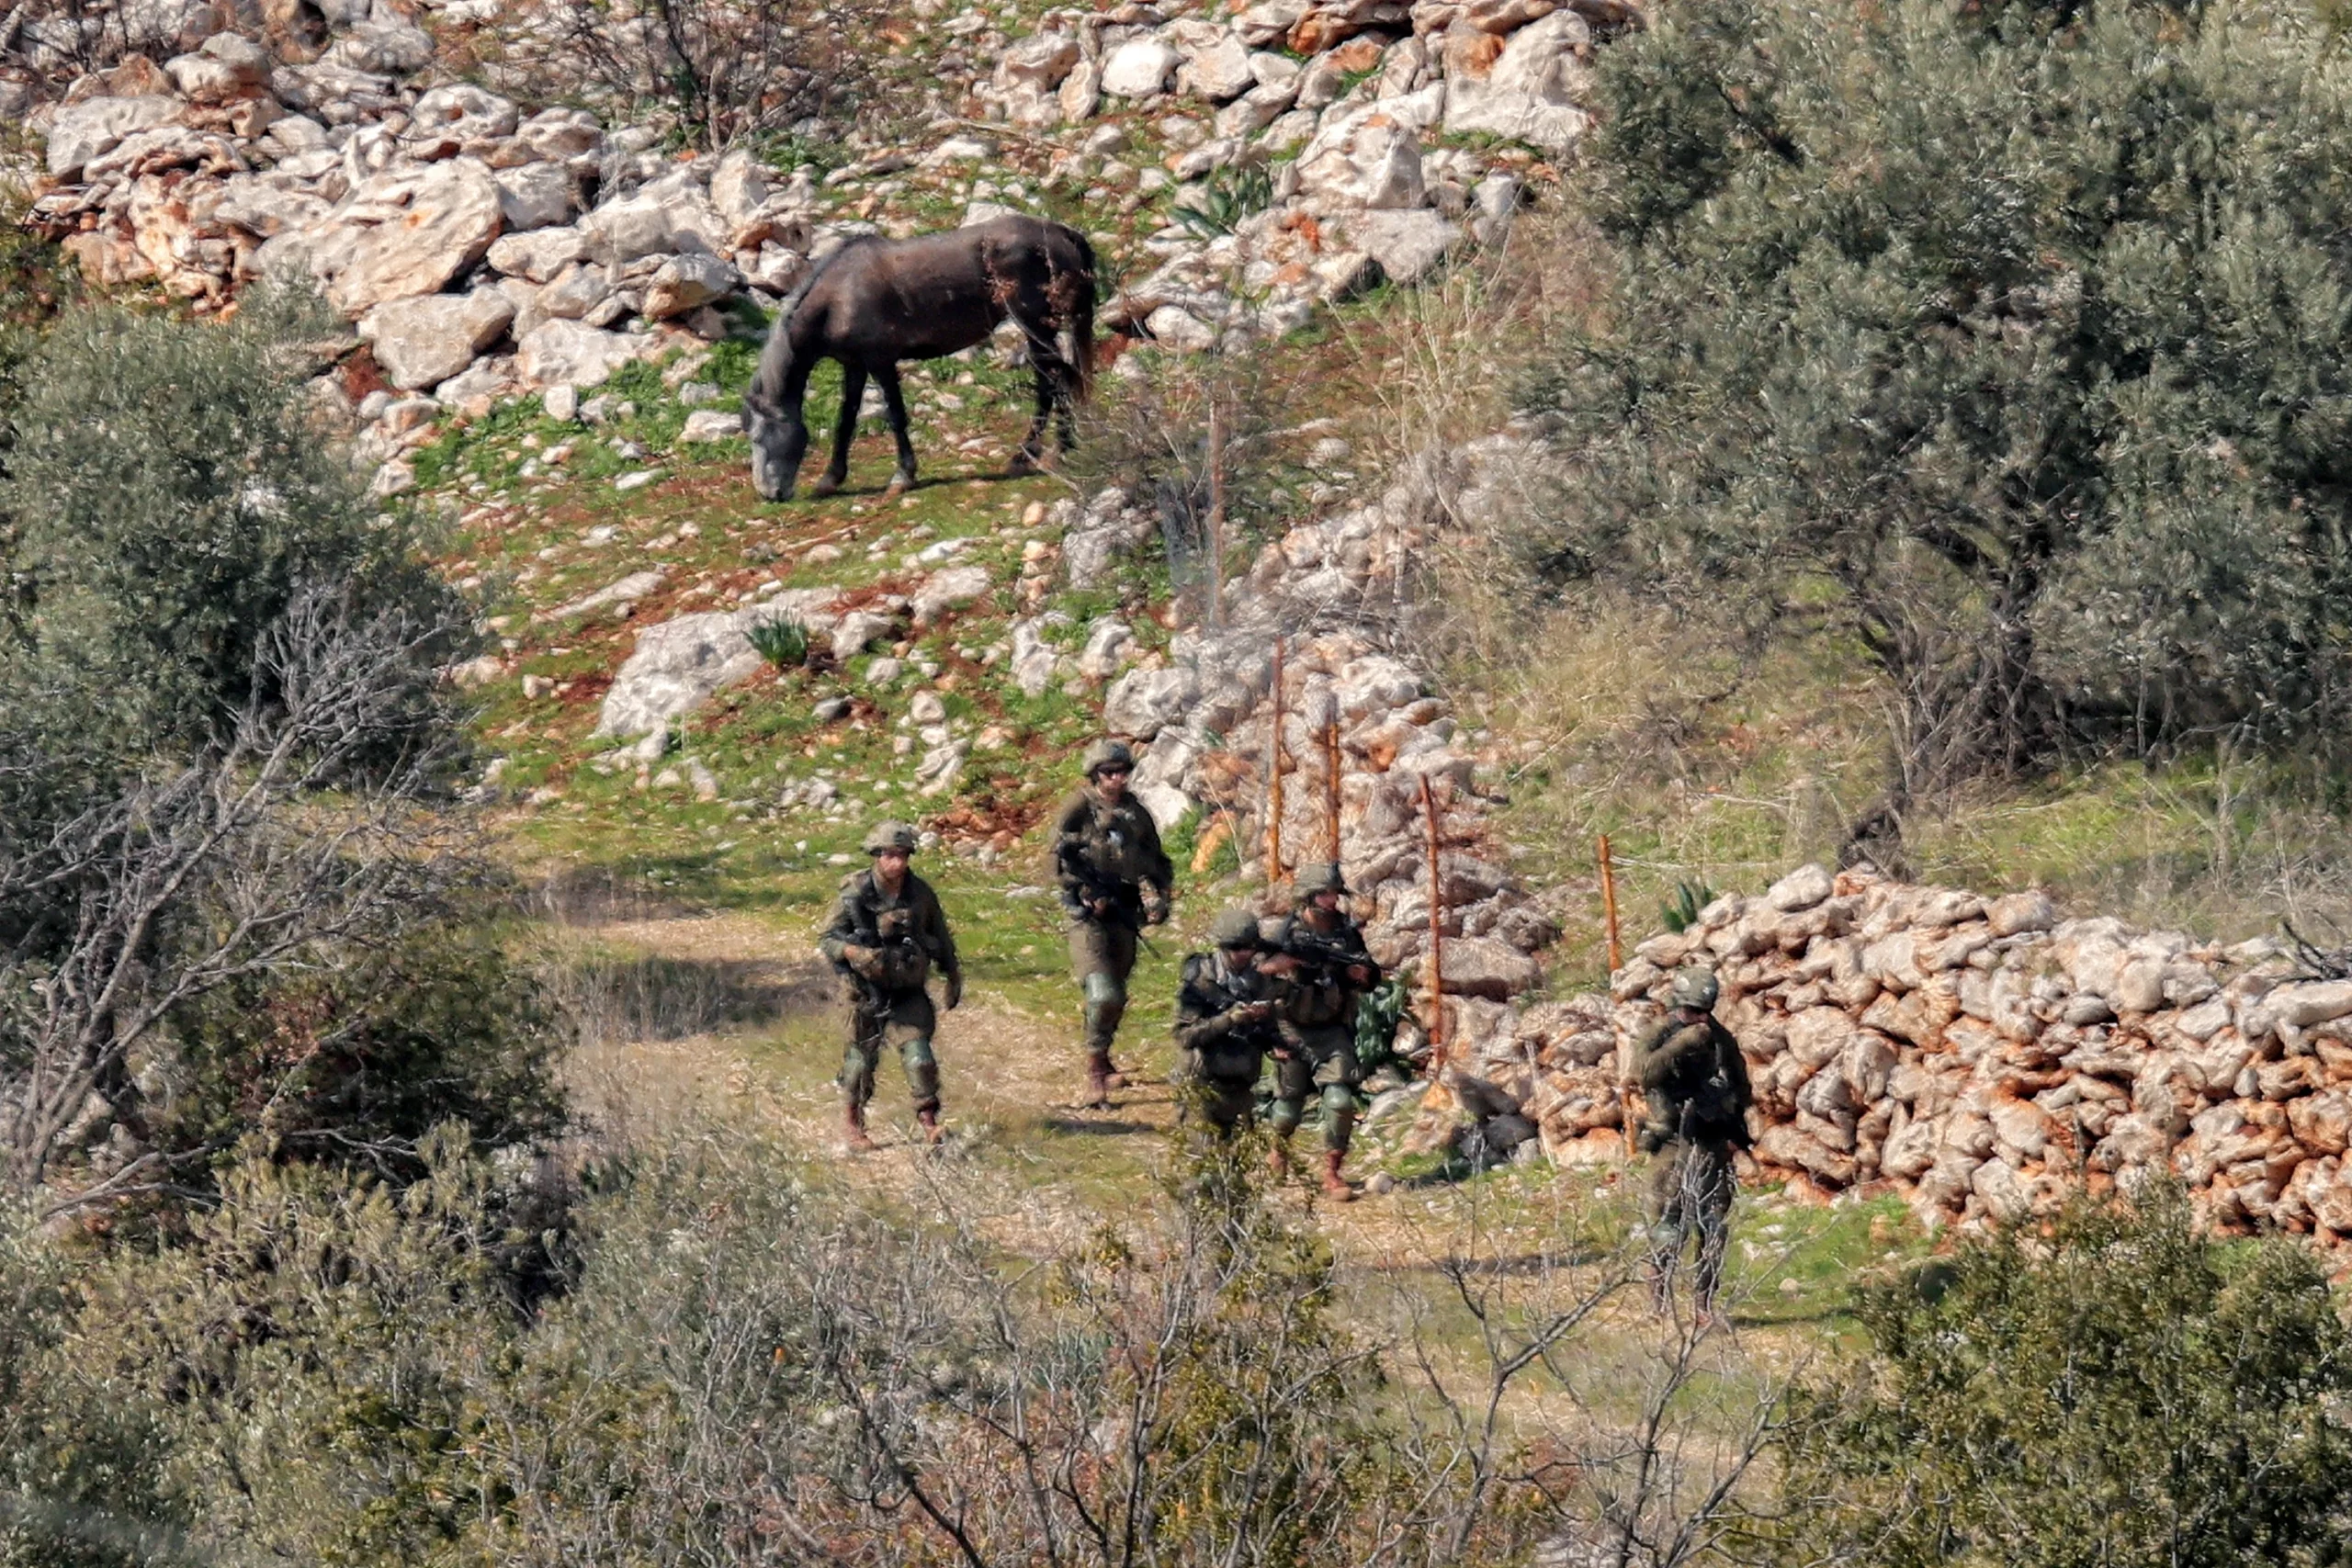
{"x":1325,"y":970}
{"x":1115,"y":880}
{"x":887,"y":934}
{"x":1696,"y":1083}
{"x":1225,"y":1023}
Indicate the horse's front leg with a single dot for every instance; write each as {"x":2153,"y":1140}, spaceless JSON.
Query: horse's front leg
{"x":894,"y":399}
{"x":844,"y":429}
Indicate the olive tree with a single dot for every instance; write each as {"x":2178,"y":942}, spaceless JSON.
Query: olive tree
{"x":2005,"y":342}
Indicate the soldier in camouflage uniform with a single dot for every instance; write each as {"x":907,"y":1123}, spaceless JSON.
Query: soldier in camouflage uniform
{"x":887,"y":934}
{"x":1696,"y":1085}
{"x":1225,"y":1023}
{"x":1325,"y":971}
{"x":1114,"y":881}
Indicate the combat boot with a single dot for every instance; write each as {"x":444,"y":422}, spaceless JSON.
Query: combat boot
{"x":853,"y":1138}
{"x":1336,"y":1187}
{"x":932,"y":1132}
{"x":1098,"y":1084}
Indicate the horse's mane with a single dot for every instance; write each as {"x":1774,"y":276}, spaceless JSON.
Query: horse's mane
{"x":791,"y":301}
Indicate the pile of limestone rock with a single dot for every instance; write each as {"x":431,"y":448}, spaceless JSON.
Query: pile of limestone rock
{"x":484,"y":250}
{"x":1979,"y":1056}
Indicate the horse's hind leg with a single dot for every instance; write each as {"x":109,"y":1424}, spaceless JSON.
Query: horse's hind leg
{"x":1033,"y":446}
{"x":895,"y":398}
{"x":844,"y":429}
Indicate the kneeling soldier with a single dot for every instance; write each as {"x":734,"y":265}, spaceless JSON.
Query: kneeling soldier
{"x":1696,"y":1083}
{"x":1326,"y":971}
{"x":887,"y":933}
{"x":1224,"y":1022}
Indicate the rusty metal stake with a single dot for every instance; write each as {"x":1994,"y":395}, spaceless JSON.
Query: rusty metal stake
{"x":1331,"y":779}
{"x":1215,"y":613}
{"x":1437,"y":934}
{"x":1609,"y":906}
{"x":1274,"y":779}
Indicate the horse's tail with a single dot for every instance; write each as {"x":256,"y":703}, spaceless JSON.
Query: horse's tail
{"x":1081,"y":317}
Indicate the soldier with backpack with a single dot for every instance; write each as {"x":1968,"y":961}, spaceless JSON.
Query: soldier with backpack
{"x":1115,"y":880}
{"x":888,"y":933}
{"x":1225,"y":1023}
{"x":1695,"y":1082}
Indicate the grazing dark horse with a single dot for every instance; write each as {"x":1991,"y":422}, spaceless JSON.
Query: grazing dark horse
{"x":874,"y":302}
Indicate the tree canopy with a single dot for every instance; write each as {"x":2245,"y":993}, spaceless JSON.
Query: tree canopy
{"x":2008,"y":342}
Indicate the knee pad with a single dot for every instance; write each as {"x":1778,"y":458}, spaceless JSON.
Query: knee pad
{"x":1284,"y":1115}
{"x":922,"y":1072}
{"x":1104,"y":990}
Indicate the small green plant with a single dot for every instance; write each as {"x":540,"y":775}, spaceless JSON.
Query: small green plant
{"x":783,"y":642}
{"x":1227,"y":195}
{"x":1680,"y":912}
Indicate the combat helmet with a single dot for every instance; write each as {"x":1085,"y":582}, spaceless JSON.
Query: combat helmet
{"x":1236,"y":928}
{"x":890,"y":835}
{"x":1693,"y":987}
{"x":1108,"y":754}
{"x":1321,"y":876}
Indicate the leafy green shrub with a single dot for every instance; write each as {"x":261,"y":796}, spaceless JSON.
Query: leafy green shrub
{"x":1227,"y":195}
{"x":1680,"y":912}
{"x":2120,"y":1391}
{"x":1926,"y":328}
{"x":783,"y":642}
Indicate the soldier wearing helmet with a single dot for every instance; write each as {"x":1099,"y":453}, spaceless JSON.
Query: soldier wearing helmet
{"x":1224,"y":1022}
{"x":888,"y":933}
{"x":1324,"y":972}
{"x":1115,"y":880}
{"x":1696,"y":1085}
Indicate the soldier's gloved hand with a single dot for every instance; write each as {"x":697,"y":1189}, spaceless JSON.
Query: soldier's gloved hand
{"x":1359,"y":975}
{"x":955,"y":993}
{"x":1155,"y":907}
{"x":863,"y":961}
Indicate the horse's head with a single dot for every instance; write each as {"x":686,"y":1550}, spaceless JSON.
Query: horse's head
{"x":778,"y":443}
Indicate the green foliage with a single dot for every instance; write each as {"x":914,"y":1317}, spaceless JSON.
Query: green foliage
{"x":165,"y":498}
{"x":783,"y":642}
{"x":354,"y":1062}
{"x":1935,"y":329}
{"x":1680,"y":912}
{"x":2120,"y":1391}
{"x":1227,"y":195}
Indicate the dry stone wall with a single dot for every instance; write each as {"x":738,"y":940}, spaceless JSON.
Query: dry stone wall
{"x":1980,"y":1056}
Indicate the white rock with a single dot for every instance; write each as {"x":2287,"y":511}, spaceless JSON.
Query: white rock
{"x":417,"y":231}
{"x":536,"y":195}
{"x":423,"y":343}
{"x":1528,"y":93}
{"x":539,"y":255}
{"x":1801,"y":889}
{"x":858,"y":630}
{"x":674,"y":669}
{"x":560,"y":403}
{"x":950,"y":589}
{"x":1217,"y":72}
{"x":1173,"y":327}
{"x":81,"y":131}
{"x":1144,"y":702}
{"x":1366,"y":159}
{"x":1140,"y":68}
{"x":1408,"y":245}
{"x":942,"y":766}
{"x":636,"y":585}
{"x":1034,"y":661}
{"x":711,"y":424}
{"x":1109,"y":645}
{"x":688,"y":282}
{"x":739,"y":186}
{"x":573,"y":354}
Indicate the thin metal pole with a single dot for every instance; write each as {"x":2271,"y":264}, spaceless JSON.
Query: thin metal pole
{"x":1274,"y":779}
{"x":1216,"y":614}
{"x":1331,"y":778}
{"x":1437,"y":934}
{"x":1609,"y":906}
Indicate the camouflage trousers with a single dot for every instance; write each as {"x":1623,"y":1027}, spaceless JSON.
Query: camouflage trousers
{"x":905,"y":1019}
{"x":1220,"y":1087}
{"x":1320,"y":1062}
{"x":1692,"y":1187}
{"x":1102,"y":956}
